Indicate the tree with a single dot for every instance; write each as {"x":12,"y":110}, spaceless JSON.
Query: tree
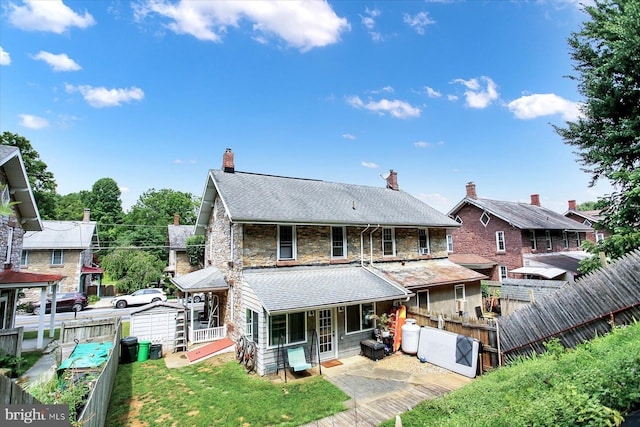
{"x":41,"y":180}
{"x":587,"y":206}
{"x":70,"y":207}
{"x":606,"y":56}
{"x":195,"y":250}
{"x":132,"y":269}
{"x":106,"y":208}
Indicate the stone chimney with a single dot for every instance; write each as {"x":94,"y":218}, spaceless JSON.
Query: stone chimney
{"x":471,"y":190}
{"x":535,"y":199}
{"x":86,"y":215}
{"x":176,"y":219}
{"x":392,"y":180}
{"x":572,"y":205}
{"x":227,"y":161}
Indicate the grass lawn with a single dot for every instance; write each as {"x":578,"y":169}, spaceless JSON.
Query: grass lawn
{"x":216,"y":392}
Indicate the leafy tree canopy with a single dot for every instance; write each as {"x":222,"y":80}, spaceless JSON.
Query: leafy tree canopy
{"x":195,"y":250}
{"x":587,"y":206}
{"x":133,"y":269}
{"x":605,"y":53}
{"x":41,"y":180}
{"x":70,"y":207}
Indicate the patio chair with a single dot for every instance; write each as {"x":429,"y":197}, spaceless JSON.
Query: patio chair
{"x":297,"y":360}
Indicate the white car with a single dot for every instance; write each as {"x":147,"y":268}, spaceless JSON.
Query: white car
{"x":139,"y":297}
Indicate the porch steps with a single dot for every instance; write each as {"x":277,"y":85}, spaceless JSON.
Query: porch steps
{"x":203,"y":352}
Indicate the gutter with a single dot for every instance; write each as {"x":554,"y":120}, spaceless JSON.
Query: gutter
{"x":362,"y":245}
{"x":371,"y":244}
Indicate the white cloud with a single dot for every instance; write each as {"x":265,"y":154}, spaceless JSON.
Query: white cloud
{"x":452,"y":97}
{"x":49,"y":15}
{"x":387,"y":89}
{"x":376,"y":36}
{"x":396,"y":108}
{"x":436,"y":201}
{"x":124,"y":189}
{"x":425,"y":144}
{"x":5,"y":58}
{"x":33,"y":122}
{"x":418,"y":22}
{"x":432,"y":93}
{"x":348,"y":136}
{"x":102,"y":97}
{"x":59,"y":62}
{"x":184,"y":162}
{"x":476,"y":95}
{"x":303,"y":25}
{"x":544,"y":104}
{"x":370,"y":165}
{"x":368,"y":19}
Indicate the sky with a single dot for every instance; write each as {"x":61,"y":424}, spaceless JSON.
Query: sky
{"x":151,"y":93}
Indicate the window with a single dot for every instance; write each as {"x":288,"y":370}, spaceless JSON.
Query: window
{"x":4,"y":303}
{"x":388,"y":242}
{"x":358,"y":317}
{"x":578,"y":239}
{"x":484,"y":219}
{"x":6,"y":195}
{"x":565,"y":239}
{"x":24,"y":258}
{"x":286,"y":242}
{"x":449,"y":243}
{"x":547,"y":236}
{"x":290,"y":326}
{"x":599,"y":237}
{"x":458,"y":219}
{"x":503,"y":272}
{"x":251,"y":325}
{"x":338,"y":242}
{"x":500,"y":241}
{"x":460,"y":292}
{"x":532,"y":236}
{"x":57,"y":257}
{"x":423,"y":241}
{"x":9,"y":244}
{"x":587,"y":222}
{"x":423,"y":300}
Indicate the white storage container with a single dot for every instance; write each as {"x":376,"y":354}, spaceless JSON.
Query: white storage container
{"x":410,"y":336}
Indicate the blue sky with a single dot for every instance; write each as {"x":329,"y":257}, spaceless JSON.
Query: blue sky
{"x":151,"y":93}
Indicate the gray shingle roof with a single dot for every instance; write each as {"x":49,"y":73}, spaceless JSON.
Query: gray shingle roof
{"x":178,"y":235}
{"x":61,"y":235}
{"x":18,"y":181}
{"x":300,"y":288}
{"x":518,"y":289}
{"x":205,"y":280}
{"x":256,"y":198}
{"x":524,"y":215}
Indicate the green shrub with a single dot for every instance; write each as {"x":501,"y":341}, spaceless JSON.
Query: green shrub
{"x":93,"y":299}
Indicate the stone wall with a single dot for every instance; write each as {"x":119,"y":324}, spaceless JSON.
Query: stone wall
{"x":39,"y":261}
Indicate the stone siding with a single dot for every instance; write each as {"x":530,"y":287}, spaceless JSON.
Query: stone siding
{"x":39,"y":261}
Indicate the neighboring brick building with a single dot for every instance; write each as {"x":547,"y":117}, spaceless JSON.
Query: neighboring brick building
{"x":588,"y":218}
{"x":65,"y":248}
{"x":524,"y":240}
{"x":305,"y":258}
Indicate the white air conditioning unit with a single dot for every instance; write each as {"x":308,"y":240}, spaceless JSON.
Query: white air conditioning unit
{"x":424,"y":251}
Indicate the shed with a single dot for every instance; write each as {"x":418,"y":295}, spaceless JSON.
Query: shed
{"x":517,"y":293}
{"x":157,"y":322}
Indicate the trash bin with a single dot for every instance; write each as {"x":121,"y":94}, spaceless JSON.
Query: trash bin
{"x":143,"y":350}
{"x":155,"y":351}
{"x":128,"y":349}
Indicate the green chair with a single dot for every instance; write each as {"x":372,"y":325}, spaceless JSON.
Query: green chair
{"x":297,"y":359}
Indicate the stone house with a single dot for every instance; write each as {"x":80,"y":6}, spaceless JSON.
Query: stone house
{"x":178,"y":259}
{"x":588,"y":218}
{"x":524,"y":240}
{"x":65,"y":248}
{"x":308,"y":262}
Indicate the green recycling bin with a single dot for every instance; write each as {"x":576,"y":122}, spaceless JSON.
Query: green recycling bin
{"x":143,"y":350}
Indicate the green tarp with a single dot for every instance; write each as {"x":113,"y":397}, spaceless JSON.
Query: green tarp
{"x":86,"y":356}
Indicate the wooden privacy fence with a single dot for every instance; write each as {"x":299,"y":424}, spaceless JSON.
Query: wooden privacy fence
{"x":12,"y":394}
{"x":11,"y":341}
{"x":481,"y":329}
{"x":576,"y":312}
{"x":94,"y":413}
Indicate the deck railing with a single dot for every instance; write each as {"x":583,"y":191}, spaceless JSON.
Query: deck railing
{"x":207,"y":334}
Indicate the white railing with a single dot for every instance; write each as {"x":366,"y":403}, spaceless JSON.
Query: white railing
{"x":207,"y":334}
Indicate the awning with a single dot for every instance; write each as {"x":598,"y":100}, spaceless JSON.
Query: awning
{"x":428,"y":273}
{"x":546,"y":272}
{"x":91,"y":270}
{"x":18,"y":279}
{"x":303,"y":288}
{"x":209,"y":279}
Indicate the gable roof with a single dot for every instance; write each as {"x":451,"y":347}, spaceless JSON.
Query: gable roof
{"x":204,"y":280}
{"x":178,"y":235}
{"x":256,"y":198}
{"x":62,"y":235}
{"x":593,"y":216}
{"x":523,"y":215}
{"x":18,"y":183}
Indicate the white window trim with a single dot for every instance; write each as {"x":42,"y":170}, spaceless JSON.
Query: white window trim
{"x":506,"y":272}
{"x":421,"y":250}
{"x":534,"y":242}
{"x":53,"y":251}
{"x":455,"y":292}
{"x":485,"y":214}
{"x":449,"y":242}
{"x":344,"y":243}
{"x":373,"y":324}
{"x":547,"y":236}
{"x":504,"y":243}
{"x":25,"y":255}
{"x":458,"y":219}
{"x":6,"y":195}
{"x":565,"y":239}
{"x":587,"y":222}
{"x":418,"y":294}
{"x":393,"y":241}
{"x":294,"y":249}
{"x":9,"y":244}
{"x":578,"y":242}
{"x":599,"y":237}
{"x":286,"y":328}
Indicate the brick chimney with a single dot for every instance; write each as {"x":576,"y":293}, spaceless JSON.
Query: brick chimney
{"x":227,"y":161}
{"x":392,"y":180}
{"x":572,"y":205}
{"x":86,"y":215}
{"x":535,"y":199}
{"x":176,"y":219}
{"x":471,"y":190}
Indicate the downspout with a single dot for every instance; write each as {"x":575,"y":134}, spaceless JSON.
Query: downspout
{"x":371,"y":244}
{"x":362,"y":245}
{"x":232,"y":266}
